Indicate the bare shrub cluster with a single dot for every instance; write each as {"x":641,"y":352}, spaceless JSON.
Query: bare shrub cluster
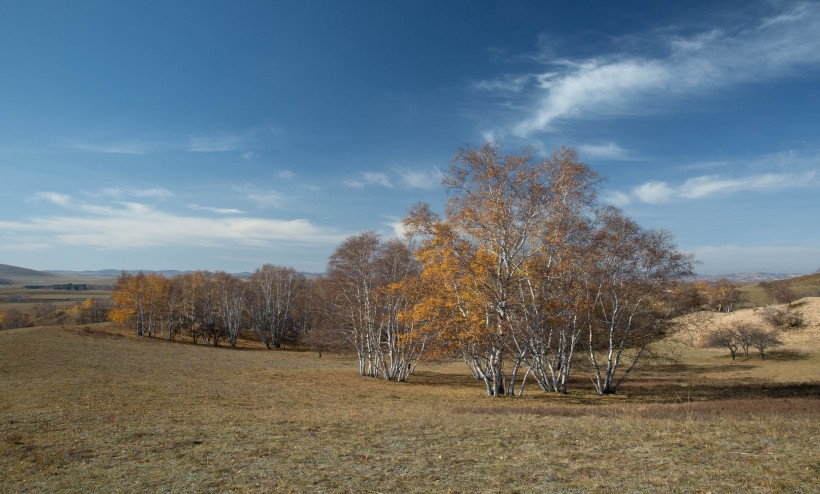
{"x":783,"y":317}
{"x":740,"y":336}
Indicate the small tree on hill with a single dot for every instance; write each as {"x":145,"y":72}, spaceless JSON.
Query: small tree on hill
{"x":745,"y":333}
{"x":765,"y":339}
{"x":780,"y":291}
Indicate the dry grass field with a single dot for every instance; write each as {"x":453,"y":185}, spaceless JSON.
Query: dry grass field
{"x":24,"y":300}
{"x":96,"y":409}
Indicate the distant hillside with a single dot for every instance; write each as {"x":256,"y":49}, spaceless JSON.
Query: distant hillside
{"x":803,"y":286}
{"x":17,"y":273}
{"x":168,"y":273}
{"x":113,"y":273}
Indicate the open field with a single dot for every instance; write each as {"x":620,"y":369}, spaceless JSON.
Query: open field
{"x":24,"y":300}
{"x":96,"y":409}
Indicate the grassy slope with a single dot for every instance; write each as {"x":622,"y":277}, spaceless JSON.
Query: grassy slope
{"x":804,"y":286}
{"x":22,"y":274}
{"x":96,"y":409}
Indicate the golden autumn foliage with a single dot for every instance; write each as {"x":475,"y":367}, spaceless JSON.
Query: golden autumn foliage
{"x":523,"y":264}
{"x":138,"y":299}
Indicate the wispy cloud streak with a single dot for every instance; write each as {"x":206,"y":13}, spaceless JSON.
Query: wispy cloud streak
{"x":625,"y":83}
{"x":129,"y":225}
{"x":708,"y":186}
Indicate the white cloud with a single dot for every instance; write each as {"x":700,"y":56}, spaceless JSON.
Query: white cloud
{"x":396,"y":225}
{"x":429,"y":179}
{"x":593,"y":86}
{"x":489,"y":136}
{"x":377,"y":178}
{"x":353,"y":183}
{"x":710,"y":185}
{"x":263,"y":198}
{"x":133,"y":225}
{"x":607,"y":150}
{"x":210,"y":209}
{"x":509,"y":83}
{"x":616,"y":198}
{"x":407,"y":178}
{"x":369,"y":178}
{"x":654,"y":192}
{"x":285,"y":174}
{"x":120,"y":192}
{"x":626,"y":83}
{"x":136,"y":147}
{"x":62,"y":200}
{"x":706,"y":186}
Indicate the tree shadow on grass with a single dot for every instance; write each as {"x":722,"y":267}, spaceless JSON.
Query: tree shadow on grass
{"x":786,"y":355}
{"x":438,"y":379}
{"x":670,"y":392}
{"x":685,"y":369}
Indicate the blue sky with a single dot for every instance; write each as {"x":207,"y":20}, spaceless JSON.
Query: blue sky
{"x":224,"y":135}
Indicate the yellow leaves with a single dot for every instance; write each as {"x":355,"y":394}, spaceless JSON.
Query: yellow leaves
{"x":122,"y":315}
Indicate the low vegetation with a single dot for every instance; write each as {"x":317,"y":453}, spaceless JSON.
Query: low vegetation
{"x":93,"y":408}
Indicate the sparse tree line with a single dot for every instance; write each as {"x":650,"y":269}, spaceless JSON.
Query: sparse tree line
{"x":721,"y":295}
{"x":359,"y":306}
{"x":212,"y":308}
{"x":63,"y":286}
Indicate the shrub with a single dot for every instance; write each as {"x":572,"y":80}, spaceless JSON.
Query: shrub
{"x":783,"y":317}
{"x":722,"y":338}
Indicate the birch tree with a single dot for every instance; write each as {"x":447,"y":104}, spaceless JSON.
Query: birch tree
{"x":230,"y":305}
{"x":481,"y":255}
{"x":138,"y":300}
{"x":273,"y":294}
{"x":632,"y":281}
{"x":372,"y":304}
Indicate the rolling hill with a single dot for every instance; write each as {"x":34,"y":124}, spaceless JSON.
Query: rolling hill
{"x":16,"y":273}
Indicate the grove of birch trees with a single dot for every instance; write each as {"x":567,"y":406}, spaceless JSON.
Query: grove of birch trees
{"x":524,"y":276}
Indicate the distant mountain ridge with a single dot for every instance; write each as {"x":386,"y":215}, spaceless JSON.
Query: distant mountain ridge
{"x":168,"y":273}
{"x":749,"y":277}
{"x":15,"y":272}
{"x":113,"y":273}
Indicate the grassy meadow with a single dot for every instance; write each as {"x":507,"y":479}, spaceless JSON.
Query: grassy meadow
{"x":95,"y":409}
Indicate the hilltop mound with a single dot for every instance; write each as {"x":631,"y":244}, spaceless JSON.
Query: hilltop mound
{"x":12,"y":272}
{"x":696,"y":325}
